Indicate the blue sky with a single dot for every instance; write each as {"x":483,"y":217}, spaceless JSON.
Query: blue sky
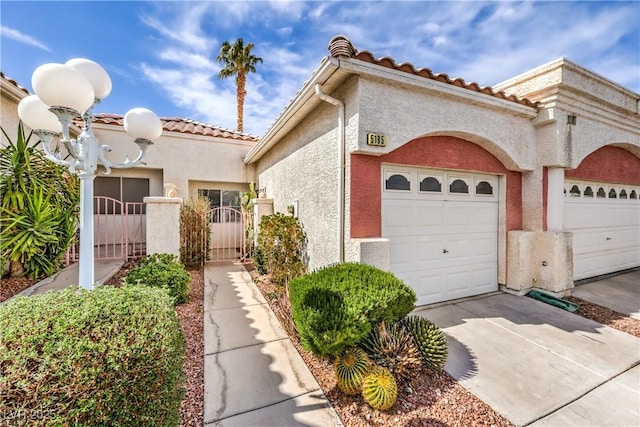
{"x":161,"y":55}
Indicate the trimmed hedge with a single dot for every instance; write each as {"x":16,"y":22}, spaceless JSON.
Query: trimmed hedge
{"x":336,"y":307}
{"x":105,"y":357}
{"x":162,"y":271}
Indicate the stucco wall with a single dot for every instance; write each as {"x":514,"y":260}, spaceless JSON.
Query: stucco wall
{"x":404,"y":113}
{"x":609,"y":164}
{"x":304,"y":167}
{"x":183,"y":157}
{"x":9,"y":119}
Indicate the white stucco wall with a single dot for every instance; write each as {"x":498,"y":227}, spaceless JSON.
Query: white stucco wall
{"x":304,"y":167}
{"x":404,"y":112}
{"x":9,"y":119}
{"x":183,"y":157}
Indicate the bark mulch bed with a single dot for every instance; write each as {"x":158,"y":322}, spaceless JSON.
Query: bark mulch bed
{"x":13,"y":286}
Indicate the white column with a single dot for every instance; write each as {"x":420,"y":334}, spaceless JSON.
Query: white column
{"x":555,"y":199}
{"x":86,"y":274}
{"x":163,"y":225}
{"x":261,"y":207}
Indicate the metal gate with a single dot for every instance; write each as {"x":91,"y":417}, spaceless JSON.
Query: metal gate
{"x":227,"y":240}
{"x":119,"y":230}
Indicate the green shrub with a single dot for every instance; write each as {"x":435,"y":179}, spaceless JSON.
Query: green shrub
{"x":162,"y":271}
{"x":336,"y":307}
{"x":195,"y":233}
{"x":282,"y":242}
{"x":258,"y":261}
{"x":106,"y":357}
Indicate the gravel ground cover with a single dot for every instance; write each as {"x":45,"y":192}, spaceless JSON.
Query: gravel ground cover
{"x":430,"y":399}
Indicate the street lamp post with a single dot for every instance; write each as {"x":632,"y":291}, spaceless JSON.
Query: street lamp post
{"x":68,"y":91}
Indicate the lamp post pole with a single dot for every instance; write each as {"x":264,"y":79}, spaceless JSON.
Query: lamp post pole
{"x":63,"y":92}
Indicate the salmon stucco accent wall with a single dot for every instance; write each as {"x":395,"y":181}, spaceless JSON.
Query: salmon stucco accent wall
{"x":608,"y":164}
{"x":443,"y":152}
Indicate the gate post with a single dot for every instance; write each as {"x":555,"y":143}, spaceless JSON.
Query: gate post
{"x":163,"y":225}
{"x":261,"y":207}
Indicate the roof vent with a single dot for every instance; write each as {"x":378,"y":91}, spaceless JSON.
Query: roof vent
{"x":341,"y":46}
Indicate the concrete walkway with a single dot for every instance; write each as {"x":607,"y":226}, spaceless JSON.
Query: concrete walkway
{"x":103,"y":271}
{"x":537,"y":364}
{"x":253,"y":375}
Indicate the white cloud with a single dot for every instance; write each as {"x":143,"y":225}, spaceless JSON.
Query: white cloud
{"x":22,"y":38}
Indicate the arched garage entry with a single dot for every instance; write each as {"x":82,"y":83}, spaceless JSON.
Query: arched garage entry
{"x":446,"y":205}
{"x":602,"y":210}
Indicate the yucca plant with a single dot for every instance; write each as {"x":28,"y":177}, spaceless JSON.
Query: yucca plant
{"x":429,"y":339}
{"x":391,"y":345}
{"x":39,"y":207}
{"x":380,"y":389}
{"x":350,"y":368}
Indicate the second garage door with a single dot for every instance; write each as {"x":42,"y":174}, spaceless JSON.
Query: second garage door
{"x":605,"y":222}
{"x":442,"y":228}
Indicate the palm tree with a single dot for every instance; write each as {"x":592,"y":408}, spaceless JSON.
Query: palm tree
{"x":238,"y":61}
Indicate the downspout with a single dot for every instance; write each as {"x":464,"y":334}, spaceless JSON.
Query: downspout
{"x":341,"y":144}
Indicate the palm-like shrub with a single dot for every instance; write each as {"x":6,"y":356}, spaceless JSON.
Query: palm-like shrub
{"x":38,"y":207}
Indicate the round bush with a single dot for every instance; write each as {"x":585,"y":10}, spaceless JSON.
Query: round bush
{"x":162,"y":271}
{"x":105,"y":357}
{"x":336,"y":306}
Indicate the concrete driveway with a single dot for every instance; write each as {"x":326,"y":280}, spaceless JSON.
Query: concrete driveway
{"x":537,"y":364}
{"x":620,"y":293}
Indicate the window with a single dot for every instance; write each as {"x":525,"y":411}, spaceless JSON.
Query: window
{"x":601,"y":193}
{"x":612,"y":194}
{"x":588,"y":191}
{"x":623,"y":194}
{"x":225,"y":199}
{"x":459,"y":186}
{"x":484,"y":187}
{"x":633,"y":194}
{"x":430,"y":184}
{"x":122,"y":189}
{"x":575,"y":191}
{"x":397,"y":182}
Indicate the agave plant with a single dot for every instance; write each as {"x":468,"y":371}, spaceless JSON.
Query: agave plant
{"x":391,"y":345}
{"x":429,"y":339}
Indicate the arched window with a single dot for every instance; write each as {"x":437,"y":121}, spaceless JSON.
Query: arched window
{"x":484,"y":187}
{"x":601,"y":194}
{"x":633,"y":194}
{"x":459,"y":186}
{"x":623,"y":194}
{"x":430,"y":184}
{"x":613,"y":194}
{"x":588,"y":191}
{"x":397,"y":182}
{"x":575,"y":191}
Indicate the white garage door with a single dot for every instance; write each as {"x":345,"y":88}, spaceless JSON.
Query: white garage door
{"x":605,"y":221}
{"x":442,"y":228}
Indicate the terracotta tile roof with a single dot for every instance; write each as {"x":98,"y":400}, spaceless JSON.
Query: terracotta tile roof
{"x":341,"y":46}
{"x":176,"y":124}
{"x":15,"y":83}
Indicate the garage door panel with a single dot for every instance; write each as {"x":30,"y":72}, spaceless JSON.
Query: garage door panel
{"x":443,"y":246}
{"x":606,"y":232}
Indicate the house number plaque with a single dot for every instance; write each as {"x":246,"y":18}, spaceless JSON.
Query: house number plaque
{"x":376,"y":139}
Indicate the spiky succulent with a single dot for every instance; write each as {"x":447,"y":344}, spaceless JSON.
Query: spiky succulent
{"x":350,"y":368}
{"x":429,"y":339}
{"x":380,"y":389}
{"x":391,"y":345}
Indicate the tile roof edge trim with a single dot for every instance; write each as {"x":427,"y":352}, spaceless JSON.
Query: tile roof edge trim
{"x":359,"y":67}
